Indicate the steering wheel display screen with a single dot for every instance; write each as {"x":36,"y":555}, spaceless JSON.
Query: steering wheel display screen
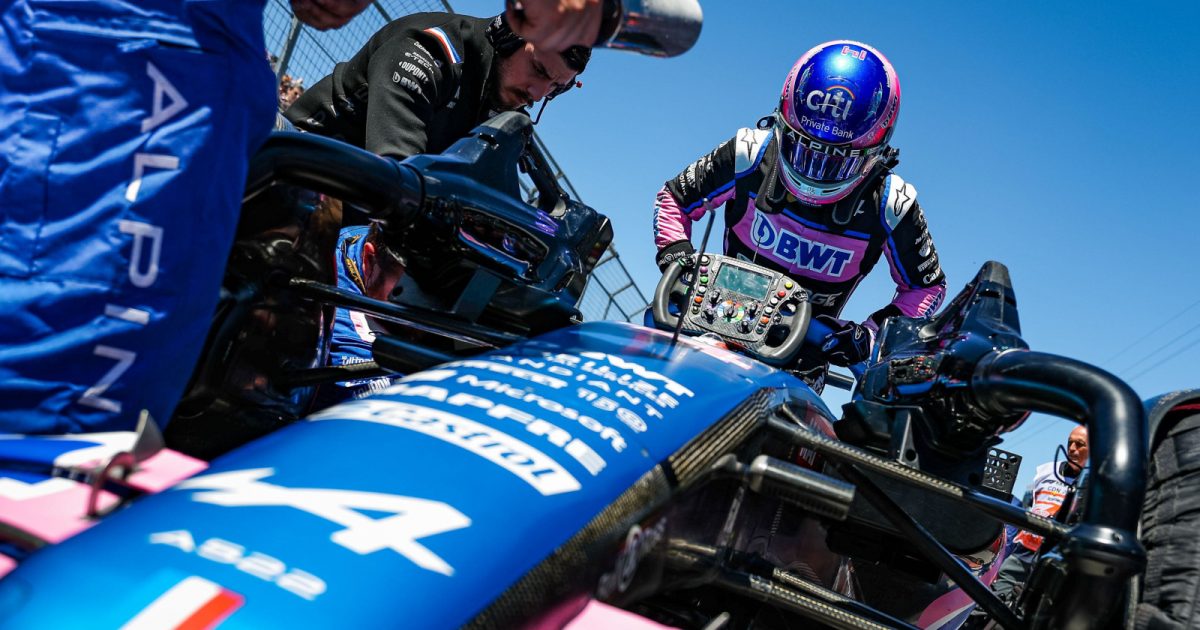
{"x":743,"y":281}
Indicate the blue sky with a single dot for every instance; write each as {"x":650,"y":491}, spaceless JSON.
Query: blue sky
{"x":1053,"y":137}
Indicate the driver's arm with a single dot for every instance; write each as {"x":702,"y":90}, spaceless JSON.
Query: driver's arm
{"x":705,"y":184}
{"x":911,"y":255}
{"x":407,"y":79}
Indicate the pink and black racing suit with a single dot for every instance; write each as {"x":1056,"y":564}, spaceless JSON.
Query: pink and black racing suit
{"x":803,"y":241}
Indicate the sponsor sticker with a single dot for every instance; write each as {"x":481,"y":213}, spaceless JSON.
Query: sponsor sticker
{"x":411,"y":518}
{"x":798,"y":251}
{"x":833,"y":102}
{"x":552,"y":433}
{"x":639,"y":542}
{"x":529,"y":464}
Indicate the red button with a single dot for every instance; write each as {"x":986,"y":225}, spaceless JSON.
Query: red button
{"x":698,"y":299}
{"x":764,"y":320}
{"x":782,"y":294}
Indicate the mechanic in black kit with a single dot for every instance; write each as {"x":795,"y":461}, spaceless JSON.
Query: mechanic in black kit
{"x":427,"y":79}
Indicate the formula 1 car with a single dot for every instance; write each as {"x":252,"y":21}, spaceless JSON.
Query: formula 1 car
{"x":532,"y":470}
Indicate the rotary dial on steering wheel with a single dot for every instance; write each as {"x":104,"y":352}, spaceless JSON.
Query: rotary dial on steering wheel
{"x":741,"y":302}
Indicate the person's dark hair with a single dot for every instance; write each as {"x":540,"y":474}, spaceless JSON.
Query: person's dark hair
{"x":506,"y":42}
{"x":388,"y":259}
{"x":577,"y":58}
{"x":502,"y":37}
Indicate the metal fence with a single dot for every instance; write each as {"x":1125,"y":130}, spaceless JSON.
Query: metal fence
{"x":302,"y":56}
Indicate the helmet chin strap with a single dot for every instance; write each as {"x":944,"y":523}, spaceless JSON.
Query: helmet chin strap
{"x":772,"y":194}
{"x":843,"y":211}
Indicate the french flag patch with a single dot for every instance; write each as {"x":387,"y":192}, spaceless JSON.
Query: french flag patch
{"x":441,"y":37}
{"x":193,"y":604}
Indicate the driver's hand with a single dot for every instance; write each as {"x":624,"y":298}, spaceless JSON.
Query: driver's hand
{"x":555,"y":25}
{"x":326,"y":14}
{"x":679,"y":252}
{"x":848,"y":344}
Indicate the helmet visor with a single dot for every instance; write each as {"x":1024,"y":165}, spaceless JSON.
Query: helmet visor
{"x":820,"y":162}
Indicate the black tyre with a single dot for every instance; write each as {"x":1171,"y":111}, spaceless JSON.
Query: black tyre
{"x":1171,"y":517}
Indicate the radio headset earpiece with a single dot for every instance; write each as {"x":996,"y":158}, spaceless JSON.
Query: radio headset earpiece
{"x":576,"y":58}
{"x":505,"y":42}
{"x":560,"y":90}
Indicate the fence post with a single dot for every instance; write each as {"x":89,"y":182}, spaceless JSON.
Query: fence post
{"x":382,"y":12}
{"x":288,"y":47}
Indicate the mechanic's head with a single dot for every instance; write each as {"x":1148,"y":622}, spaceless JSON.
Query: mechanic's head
{"x":524,"y":74}
{"x":1077,"y":450}
{"x":382,"y":267}
{"x":836,"y":114}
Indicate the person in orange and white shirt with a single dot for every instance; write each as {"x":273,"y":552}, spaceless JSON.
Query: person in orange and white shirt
{"x":1047,"y":492}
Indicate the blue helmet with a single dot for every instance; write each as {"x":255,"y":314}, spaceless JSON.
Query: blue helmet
{"x":836,"y":114}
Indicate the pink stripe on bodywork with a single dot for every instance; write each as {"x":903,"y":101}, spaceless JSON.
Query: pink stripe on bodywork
{"x":53,"y":509}
{"x":786,"y":241}
{"x":165,"y":469}
{"x":672,"y":224}
{"x":600,"y":616}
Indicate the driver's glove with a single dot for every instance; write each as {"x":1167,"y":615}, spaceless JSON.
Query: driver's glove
{"x":679,"y":251}
{"x":848,"y":344}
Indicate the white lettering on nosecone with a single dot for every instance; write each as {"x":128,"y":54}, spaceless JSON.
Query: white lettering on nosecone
{"x":500,"y":368}
{"x":593,"y":372}
{"x":671,"y":385}
{"x":257,"y":564}
{"x":555,"y":435}
{"x":589,"y":373}
{"x":532,"y":466}
{"x":166,"y":103}
{"x":411,"y":518}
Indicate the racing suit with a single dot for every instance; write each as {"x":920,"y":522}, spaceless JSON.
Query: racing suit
{"x":418,"y":85}
{"x":353,"y":333}
{"x":127,"y":130}
{"x":801,"y":240}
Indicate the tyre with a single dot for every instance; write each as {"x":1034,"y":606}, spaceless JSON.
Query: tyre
{"x":1171,"y":516}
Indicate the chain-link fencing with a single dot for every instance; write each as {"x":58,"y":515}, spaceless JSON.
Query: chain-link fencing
{"x":302,"y":56}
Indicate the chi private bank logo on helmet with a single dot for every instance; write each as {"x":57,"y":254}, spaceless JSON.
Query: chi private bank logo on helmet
{"x":836,"y":114}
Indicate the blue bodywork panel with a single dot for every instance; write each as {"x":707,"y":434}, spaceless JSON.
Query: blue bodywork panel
{"x":415,"y":507}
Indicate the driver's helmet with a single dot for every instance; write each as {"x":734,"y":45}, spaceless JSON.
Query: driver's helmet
{"x":836,"y":114}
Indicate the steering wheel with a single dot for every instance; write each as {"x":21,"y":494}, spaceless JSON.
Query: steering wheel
{"x":739,"y":301}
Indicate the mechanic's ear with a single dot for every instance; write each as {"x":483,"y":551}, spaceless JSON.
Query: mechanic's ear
{"x":369,"y":267}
